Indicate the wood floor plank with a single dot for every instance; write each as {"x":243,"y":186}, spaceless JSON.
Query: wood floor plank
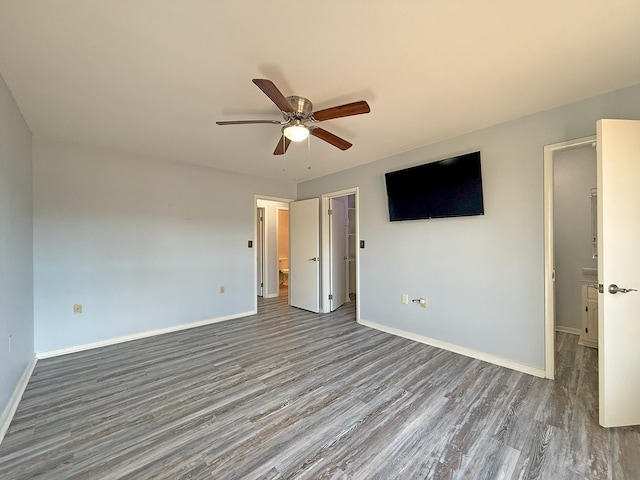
{"x":287,"y":394}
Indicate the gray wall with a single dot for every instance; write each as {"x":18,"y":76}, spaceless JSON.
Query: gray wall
{"x":574,"y":175}
{"x":16,"y":243}
{"x":142,"y":244}
{"x":483,"y":276}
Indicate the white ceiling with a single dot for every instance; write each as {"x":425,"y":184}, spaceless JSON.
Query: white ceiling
{"x":153,"y":76}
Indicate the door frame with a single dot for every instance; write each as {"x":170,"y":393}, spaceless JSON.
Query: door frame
{"x":324,"y":268}
{"x":260,"y":249}
{"x":549,"y":262}
{"x":265,"y":271}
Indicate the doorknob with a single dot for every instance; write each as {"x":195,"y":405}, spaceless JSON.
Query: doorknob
{"x":314,"y":259}
{"x":613,"y":289}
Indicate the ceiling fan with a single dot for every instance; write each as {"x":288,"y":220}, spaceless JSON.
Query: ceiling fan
{"x":300,"y":120}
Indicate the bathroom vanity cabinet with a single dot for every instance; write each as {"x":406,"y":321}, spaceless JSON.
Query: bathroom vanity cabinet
{"x":589,"y":332}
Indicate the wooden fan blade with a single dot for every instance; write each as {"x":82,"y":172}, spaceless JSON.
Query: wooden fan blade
{"x":282,"y":146}
{"x":329,"y":137}
{"x":247,"y":122}
{"x":271,"y":91}
{"x":346,"y":110}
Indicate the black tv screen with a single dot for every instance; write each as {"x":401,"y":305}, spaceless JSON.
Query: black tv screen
{"x":448,"y":188}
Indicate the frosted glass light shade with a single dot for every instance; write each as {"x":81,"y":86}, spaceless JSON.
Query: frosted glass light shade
{"x":296,"y":133}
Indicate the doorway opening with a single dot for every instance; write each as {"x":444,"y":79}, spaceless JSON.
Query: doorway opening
{"x":340,"y":238}
{"x":618,"y":226}
{"x":282,"y":228}
{"x":271,"y":249}
{"x":569,"y":172}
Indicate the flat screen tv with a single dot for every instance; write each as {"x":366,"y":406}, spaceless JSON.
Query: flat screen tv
{"x":448,"y":188}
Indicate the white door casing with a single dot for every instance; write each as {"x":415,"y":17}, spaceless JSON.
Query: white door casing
{"x":338,"y":251}
{"x":618,"y":164}
{"x":260,"y":252}
{"x":304,"y":254}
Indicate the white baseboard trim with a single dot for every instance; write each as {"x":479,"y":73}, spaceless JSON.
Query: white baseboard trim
{"x":485,"y":357}
{"x":272,"y":295}
{"x":137,"y":336}
{"x":571,"y":330}
{"x":10,"y":409}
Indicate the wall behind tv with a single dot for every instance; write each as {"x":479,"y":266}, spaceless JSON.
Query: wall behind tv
{"x":483,"y":276}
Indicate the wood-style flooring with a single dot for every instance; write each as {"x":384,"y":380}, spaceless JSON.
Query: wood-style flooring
{"x":290,"y":394}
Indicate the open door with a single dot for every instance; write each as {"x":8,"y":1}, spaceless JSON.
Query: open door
{"x":618,"y":150}
{"x":304,"y":254}
{"x":338,"y":251}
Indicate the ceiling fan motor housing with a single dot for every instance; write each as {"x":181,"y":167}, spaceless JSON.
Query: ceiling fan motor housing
{"x":302,"y":106}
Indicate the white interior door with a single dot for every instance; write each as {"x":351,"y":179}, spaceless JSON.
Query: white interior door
{"x":304,"y":254}
{"x":338,"y":251}
{"x":260,"y":251}
{"x":618,"y":147}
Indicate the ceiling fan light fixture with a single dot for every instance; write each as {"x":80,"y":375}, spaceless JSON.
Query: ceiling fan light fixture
{"x":296,"y":111}
{"x":296,"y":133}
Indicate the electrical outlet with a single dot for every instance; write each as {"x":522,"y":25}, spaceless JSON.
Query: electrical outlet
{"x":221,"y":289}
{"x":77,"y":308}
{"x":405,"y":299}
{"x":423,"y":302}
